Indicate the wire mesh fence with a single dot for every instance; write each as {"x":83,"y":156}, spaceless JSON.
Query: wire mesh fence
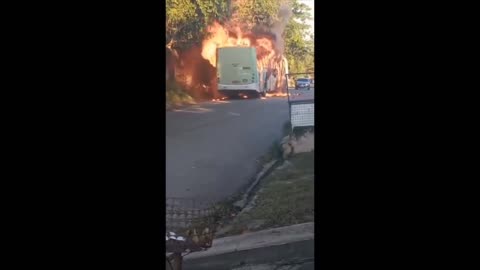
{"x":190,"y":224}
{"x":301,"y":99}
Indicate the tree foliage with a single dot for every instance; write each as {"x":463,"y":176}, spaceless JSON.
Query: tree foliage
{"x":299,"y":50}
{"x":299,"y":45}
{"x":187,"y":20}
{"x":256,"y":12}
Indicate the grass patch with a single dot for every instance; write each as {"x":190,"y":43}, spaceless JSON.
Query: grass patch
{"x":176,"y":95}
{"x":285,"y":197}
{"x":226,"y":211}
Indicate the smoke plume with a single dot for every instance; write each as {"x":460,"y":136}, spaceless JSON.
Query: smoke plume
{"x":196,"y":67}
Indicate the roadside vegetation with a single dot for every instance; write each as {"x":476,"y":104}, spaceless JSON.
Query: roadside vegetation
{"x":176,"y":95}
{"x":285,"y":197}
{"x":187,"y":21}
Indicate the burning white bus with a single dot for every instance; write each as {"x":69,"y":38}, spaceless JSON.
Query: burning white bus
{"x":241,"y":73}
{"x":237,"y":73}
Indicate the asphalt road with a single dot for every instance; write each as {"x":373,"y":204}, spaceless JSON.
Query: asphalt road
{"x":212,"y":148}
{"x":302,"y":94}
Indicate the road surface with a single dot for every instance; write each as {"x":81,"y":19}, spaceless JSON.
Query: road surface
{"x":302,"y":94}
{"x":212,"y":148}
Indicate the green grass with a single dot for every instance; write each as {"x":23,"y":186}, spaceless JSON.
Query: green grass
{"x":176,"y":95}
{"x":285,"y":197}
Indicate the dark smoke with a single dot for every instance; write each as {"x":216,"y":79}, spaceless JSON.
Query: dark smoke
{"x":202,"y":82}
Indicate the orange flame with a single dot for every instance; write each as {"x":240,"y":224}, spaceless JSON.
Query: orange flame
{"x":276,"y":94}
{"x":220,"y":36}
{"x":268,"y":57}
{"x":196,"y":66}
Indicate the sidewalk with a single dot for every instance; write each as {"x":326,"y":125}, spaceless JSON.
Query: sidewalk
{"x":290,"y":247}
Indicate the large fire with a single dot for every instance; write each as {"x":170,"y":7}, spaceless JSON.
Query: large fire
{"x":268,"y":56}
{"x":220,"y":37}
{"x":196,"y":67}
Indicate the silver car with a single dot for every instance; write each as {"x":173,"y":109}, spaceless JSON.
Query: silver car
{"x":302,"y":83}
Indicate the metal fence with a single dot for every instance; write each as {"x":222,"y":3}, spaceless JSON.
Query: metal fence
{"x":190,"y":225}
{"x":301,"y":102}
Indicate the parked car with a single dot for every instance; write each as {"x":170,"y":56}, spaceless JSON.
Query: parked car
{"x":302,"y":83}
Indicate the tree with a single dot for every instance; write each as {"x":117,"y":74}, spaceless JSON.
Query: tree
{"x":180,"y":15}
{"x":299,"y":50}
{"x":256,"y":12}
{"x":187,"y":20}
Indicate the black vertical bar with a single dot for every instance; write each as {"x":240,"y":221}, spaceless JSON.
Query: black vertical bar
{"x":289,"y":106}
{"x":288,"y":91}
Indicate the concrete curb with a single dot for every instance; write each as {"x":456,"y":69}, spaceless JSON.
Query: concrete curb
{"x":265,"y":246}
